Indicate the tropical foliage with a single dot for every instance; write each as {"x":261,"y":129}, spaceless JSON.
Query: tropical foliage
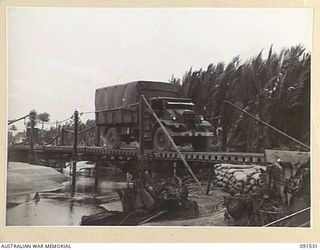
{"x":43,"y":117}
{"x":275,"y":89}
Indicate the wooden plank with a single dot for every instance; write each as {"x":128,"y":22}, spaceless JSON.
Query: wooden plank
{"x":294,"y":157}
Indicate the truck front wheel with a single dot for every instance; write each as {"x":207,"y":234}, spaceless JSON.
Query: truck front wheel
{"x":161,"y":141}
{"x":113,"y":139}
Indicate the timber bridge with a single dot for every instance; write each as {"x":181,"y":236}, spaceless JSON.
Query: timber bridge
{"x":87,"y":153}
{"x":34,"y":153}
{"x":52,"y":151}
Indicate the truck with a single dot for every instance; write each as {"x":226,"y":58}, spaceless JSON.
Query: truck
{"x":117,"y":116}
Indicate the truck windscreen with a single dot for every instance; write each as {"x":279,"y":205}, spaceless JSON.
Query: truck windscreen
{"x":180,"y":105}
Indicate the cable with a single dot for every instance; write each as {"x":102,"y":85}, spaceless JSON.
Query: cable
{"x":46,"y":123}
{"x":87,"y":112}
{"x":86,"y":129}
{"x":18,"y":119}
{"x":268,"y":125}
{"x":286,"y":217}
{"x":57,"y":122}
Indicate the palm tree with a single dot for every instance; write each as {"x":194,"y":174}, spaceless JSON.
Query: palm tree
{"x":10,"y":134}
{"x":13,"y":128}
{"x":276,"y":89}
{"x":43,"y":117}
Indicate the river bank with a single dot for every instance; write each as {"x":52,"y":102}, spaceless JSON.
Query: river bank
{"x":42,"y":196}
{"x":56,"y":204}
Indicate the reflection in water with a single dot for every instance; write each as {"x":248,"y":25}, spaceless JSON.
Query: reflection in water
{"x":60,"y":208}
{"x":71,"y":210}
{"x":86,"y":185}
{"x":49,"y":212}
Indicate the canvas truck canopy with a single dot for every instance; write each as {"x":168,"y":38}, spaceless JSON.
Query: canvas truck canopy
{"x":125,"y":94}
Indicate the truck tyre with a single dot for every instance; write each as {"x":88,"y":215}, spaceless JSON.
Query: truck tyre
{"x":201,"y":144}
{"x":113,"y":138}
{"x":161,"y":141}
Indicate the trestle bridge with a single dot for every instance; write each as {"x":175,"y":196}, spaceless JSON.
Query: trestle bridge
{"x":34,"y":153}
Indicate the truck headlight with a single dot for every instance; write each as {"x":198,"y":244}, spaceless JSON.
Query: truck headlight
{"x":201,"y":117}
{"x":174,"y":118}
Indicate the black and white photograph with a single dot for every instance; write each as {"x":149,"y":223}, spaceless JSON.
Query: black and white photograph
{"x":159,"y":117}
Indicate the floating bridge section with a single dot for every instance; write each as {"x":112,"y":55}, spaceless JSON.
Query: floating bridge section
{"x":124,"y":154}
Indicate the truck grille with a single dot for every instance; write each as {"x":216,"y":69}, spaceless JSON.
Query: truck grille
{"x":190,"y":120}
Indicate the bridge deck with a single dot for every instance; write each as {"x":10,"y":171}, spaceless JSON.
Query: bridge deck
{"x":86,"y":152}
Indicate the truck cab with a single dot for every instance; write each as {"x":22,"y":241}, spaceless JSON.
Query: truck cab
{"x":182,"y":123}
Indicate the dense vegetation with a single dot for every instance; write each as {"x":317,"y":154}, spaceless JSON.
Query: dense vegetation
{"x":275,"y":89}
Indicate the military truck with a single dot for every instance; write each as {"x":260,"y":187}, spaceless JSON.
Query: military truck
{"x":117,"y":116}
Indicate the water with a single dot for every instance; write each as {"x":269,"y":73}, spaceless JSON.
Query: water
{"x":59,"y":208}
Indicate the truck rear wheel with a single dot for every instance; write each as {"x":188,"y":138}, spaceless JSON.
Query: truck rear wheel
{"x":161,"y":141}
{"x":113,"y":138}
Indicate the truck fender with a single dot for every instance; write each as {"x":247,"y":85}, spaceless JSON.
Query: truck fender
{"x":172,"y":124}
{"x":166,"y":123}
{"x":205,"y":124}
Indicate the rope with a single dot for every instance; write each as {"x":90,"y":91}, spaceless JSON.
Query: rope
{"x":86,"y":129}
{"x":68,"y":130}
{"x":52,"y":139}
{"x":130,"y":214}
{"x":268,"y":125}
{"x":57,"y":122}
{"x":286,"y":217}
{"x":87,"y":112}
{"x":18,"y":119}
{"x":47,"y":123}
{"x":121,"y":107}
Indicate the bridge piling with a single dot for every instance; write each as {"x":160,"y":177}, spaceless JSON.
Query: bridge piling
{"x":32,"y":154}
{"x":58,"y":140}
{"x":174,"y":169}
{"x":75,"y":150}
{"x":96,"y":176}
{"x":97,"y":168}
{"x":224,"y":124}
{"x":142,"y":156}
{"x":98,"y":133}
{"x":62,"y":136}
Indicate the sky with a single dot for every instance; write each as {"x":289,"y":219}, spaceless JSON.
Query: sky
{"x":57,"y":57}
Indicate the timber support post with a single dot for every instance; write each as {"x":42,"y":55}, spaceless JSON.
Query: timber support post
{"x":211,"y":176}
{"x":59,"y":133}
{"x":142,"y":158}
{"x":97,"y":168}
{"x":174,"y":169}
{"x":224,"y":127}
{"x":96,"y":176}
{"x":56,"y":136}
{"x":62,"y":136}
{"x":98,"y":136}
{"x":75,"y":150}
{"x":32,"y":154}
